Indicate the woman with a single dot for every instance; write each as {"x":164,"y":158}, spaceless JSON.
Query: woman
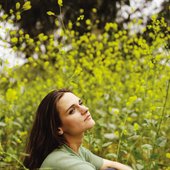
{"x":57,"y":134}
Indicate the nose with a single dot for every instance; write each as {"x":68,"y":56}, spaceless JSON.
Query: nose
{"x":83,"y":109}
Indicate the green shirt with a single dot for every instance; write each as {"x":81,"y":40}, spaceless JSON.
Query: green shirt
{"x":66,"y":159}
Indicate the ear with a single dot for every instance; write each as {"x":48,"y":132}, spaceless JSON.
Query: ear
{"x":60,"y":131}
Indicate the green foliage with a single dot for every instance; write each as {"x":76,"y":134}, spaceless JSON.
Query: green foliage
{"x":123,"y":79}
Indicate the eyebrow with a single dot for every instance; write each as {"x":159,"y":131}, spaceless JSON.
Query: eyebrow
{"x":73,"y":105}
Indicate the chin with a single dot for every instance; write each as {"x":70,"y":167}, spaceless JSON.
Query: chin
{"x":91,"y":124}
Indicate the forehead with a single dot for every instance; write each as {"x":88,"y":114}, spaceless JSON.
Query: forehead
{"x":66,"y":101}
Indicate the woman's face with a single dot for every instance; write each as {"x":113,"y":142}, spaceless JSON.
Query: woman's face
{"x":75,"y":117}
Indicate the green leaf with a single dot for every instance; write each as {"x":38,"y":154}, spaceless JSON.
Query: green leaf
{"x":111,"y":156}
{"x":161,"y":141}
{"x":106,"y":144}
{"x":2,"y":124}
{"x":147,"y":146}
{"x":139,"y":166}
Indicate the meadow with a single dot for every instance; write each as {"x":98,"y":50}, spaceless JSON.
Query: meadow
{"x":123,"y":78}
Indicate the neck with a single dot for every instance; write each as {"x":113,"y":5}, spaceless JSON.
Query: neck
{"x":74,"y":142}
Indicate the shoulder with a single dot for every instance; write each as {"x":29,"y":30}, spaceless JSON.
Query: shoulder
{"x":58,"y":155}
{"x":85,"y":152}
{"x":61,"y":159}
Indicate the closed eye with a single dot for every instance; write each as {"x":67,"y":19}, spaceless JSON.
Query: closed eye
{"x":71,"y":110}
{"x":80,"y":102}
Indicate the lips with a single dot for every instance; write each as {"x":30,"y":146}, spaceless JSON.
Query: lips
{"x":87,"y":117}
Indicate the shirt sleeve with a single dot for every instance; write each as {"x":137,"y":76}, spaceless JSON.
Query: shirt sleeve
{"x":92,"y":158}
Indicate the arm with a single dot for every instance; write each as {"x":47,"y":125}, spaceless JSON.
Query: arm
{"x":111,"y":164}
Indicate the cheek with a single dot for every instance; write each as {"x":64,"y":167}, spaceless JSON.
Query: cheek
{"x":72,"y":122}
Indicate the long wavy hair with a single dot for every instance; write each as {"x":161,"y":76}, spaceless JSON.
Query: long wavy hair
{"x":43,"y":136}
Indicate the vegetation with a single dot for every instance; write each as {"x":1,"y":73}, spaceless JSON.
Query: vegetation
{"x":123,"y":78}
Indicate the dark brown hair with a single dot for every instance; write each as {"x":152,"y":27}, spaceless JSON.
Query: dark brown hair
{"x":44,"y":137}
